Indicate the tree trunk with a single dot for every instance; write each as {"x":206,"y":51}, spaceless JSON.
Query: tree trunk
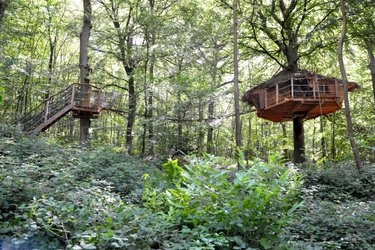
{"x":3,"y":6}
{"x":132,"y":105}
{"x":210,"y":131}
{"x":150,"y":98}
{"x":235,"y":78}
{"x":85,"y":69}
{"x":200,"y":132}
{"x":370,"y":51}
{"x":323,"y":140}
{"x":333,"y":142}
{"x":298,"y":140}
{"x":285,"y":142}
{"x":346,"y":96}
{"x":179,"y":123}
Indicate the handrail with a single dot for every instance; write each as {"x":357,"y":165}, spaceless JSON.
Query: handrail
{"x":275,"y":94}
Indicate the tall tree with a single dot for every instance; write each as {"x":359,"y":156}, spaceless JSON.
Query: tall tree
{"x":235,"y":77}
{"x":361,"y":28}
{"x":287,"y":31}
{"x":85,"y":68}
{"x":345,"y":82}
{"x":3,"y":6}
{"x":123,"y":17}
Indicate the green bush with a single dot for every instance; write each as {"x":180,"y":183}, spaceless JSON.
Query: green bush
{"x":338,"y":212}
{"x":248,"y":207}
{"x":326,"y":225}
{"x":340,"y":182}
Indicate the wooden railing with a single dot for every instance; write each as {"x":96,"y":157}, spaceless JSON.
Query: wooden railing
{"x":285,"y":91}
{"x":57,"y":105}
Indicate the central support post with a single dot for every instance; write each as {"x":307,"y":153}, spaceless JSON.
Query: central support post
{"x":298,"y":139}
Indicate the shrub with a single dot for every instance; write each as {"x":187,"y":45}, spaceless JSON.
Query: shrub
{"x":340,"y":182}
{"x":249,"y":207}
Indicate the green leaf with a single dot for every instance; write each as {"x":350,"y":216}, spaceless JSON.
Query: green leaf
{"x":265,"y":243}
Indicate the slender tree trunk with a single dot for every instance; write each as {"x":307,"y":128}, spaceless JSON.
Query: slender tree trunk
{"x":370,"y":52}
{"x":3,"y":6}
{"x":132,"y":105}
{"x":285,"y":136}
{"x":249,"y":150}
{"x":323,"y":139}
{"x":235,"y":78}
{"x":143,"y":150}
{"x":52,"y":48}
{"x":179,"y":124}
{"x":346,"y":96}
{"x":333,"y":143}
{"x":313,"y":141}
{"x":201,"y":132}
{"x":85,"y":69}
{"x":210,"y":131}
{"x":299,"y":140}
{"x":150,"y":98}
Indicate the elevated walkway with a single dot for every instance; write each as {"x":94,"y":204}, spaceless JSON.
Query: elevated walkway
{"x":83,"y":104}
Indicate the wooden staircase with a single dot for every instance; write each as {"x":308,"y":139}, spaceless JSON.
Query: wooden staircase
{"x":86,"y":104}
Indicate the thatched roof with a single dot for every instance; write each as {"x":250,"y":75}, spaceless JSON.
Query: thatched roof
{"x":285,"y":76}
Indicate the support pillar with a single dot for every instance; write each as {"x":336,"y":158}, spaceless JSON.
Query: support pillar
{"x":299,"y":140}
{"x":84,"y":138}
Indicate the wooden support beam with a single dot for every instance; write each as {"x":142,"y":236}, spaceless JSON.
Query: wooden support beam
{"x":265,"y":98}
{"x":336,"y":89}
{"x":46,"y":111}
{"x":277,"y":93}
{"x":296,"y":107}
{"x":73,"y":94}
{"x":292,"y":86}
{"x":52,"y":120}
{"x":314,"y":87}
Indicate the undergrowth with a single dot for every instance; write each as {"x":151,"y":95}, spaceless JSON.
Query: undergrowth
{"x":54,"y":197}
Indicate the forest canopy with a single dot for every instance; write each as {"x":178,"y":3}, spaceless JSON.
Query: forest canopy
{"x":167,"y":67}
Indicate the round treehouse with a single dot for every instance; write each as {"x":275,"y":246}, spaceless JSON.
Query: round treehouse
{"x":300,"y":95}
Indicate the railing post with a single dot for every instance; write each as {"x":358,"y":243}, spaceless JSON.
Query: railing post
{"x":265,"y":98}
{"x":292,"y":82}
{"x":47,"y":111}
{"x":314,"y":88}
{"x":336,"y":89}
{"x":277,"y":93}
{"x":73,"y":94}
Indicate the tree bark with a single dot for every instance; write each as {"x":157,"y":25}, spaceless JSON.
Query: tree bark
{"x":333,"y":142}
{"x":200,"y":129}
{"x":132,"y":105}
{"x":235,"y":78}
{"x":210,"y":131}
{"x":150,"y":98}
{"x":285,"y":142}
{"x":370,"y":52}
{"x":298,"y":140}
{"x":85,"y":69}
{"x":345,"y":83}
{"x":3,"y":6}
{"x":323,"y":139}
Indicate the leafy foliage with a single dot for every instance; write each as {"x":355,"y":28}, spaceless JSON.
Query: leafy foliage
{"x":1,"y":94}
{"x":249,"y":207}
{"x":338,"y":211}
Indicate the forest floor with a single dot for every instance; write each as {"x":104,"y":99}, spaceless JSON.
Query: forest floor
{"x":50,"y":195}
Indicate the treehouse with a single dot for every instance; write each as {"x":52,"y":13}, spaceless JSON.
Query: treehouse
{"x":303,"y":93}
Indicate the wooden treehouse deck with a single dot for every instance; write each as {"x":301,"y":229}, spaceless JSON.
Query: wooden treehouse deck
{"x":303,"y":93}
{"x":83,"y":104}
{"x":281,"y":104}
